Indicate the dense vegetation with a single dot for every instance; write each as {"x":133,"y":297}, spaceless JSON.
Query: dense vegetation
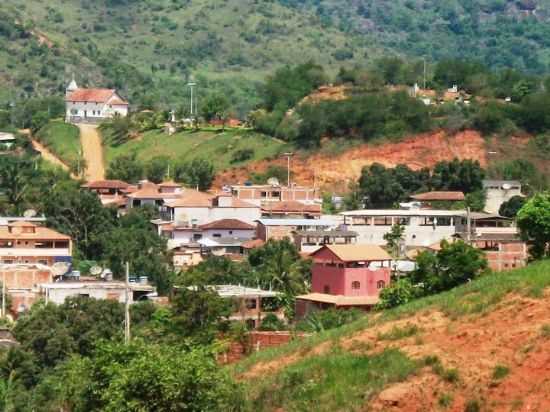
{"x":148,"y":49}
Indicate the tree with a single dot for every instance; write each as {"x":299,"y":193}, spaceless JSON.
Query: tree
{"x":398,"y":293}
{"x":16,"y":178}
{"x":79,"y":214}
{"x":126,"y":168}
{"x":464,"y":175}
{"x":533,"y":220}
{"x":156,"y":169}
{"x":215,"y":106}
{"x":455,"y":264}
{"x":197,"y":173}
{"x":144,"y":377}
{"x":511,"y":207}
{"x":394,"y":237}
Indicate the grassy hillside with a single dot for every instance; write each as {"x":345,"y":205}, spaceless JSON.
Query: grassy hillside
{"x":63,"y":140}
{"x":218,"y":147}
{"x":501,"y":315}
{"x":148,"y":48}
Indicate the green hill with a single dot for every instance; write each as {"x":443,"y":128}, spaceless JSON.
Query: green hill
{"x":148,"y":48}
{"x":469,"y":346}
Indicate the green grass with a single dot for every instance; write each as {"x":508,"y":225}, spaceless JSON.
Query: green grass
{"x":330,"y":382}
{"x":397,"y":333}
{"x":500,"y":372}
{"x":545,"y":331}
{"x":218,"y":147}
{"x":476,"y":297}
{"x":62,"y":139}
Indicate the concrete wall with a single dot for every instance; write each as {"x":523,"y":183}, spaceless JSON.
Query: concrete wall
{"x":496,"y":197}
{"x":93,"y":111}
{"x":340,"y":280}
{"x":58,"y":296}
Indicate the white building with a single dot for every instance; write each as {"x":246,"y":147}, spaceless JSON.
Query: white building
{"x":92,"y":105}
{"x":498,"y":192}
{"x":57,"y":292}
{"x":423,"y":227}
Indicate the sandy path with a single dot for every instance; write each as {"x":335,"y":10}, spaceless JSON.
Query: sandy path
{"x":92,"y":150}
{"x":50,"y":157}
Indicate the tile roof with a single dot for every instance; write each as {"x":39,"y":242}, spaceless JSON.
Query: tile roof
{"x":227,"y":224}
{"x":355,"y":253}
{"x":235,"y":203}
{"x":95,"y":95}
{"x":191,"y":198}
{"x":253,"y":244}
{"x":439,"y":196}
{"x":340,"y":300}
{"x":291,"y":206}
{"x":169,"y":183}
{"x":38,"y":233}
{"x":149,"y":190}
{"x":106,"y":184}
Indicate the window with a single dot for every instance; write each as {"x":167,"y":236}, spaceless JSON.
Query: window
{"x":250,"y":303}
{"x":217,"y":235}
{"x":361,"y":220}
{"x":43,"y":262}
{"x":403,"y":221}
{"x":356,"y":285}
{"x":383,"y":221}
{"x":197,"y":236}
{"x":380,"y":284}
{"x":428,"y":221}
{"x":275,"y":194}
{"x":326,"y":289}
{"x":230,"y":232}
{"x":7,"y":261}
{"x":444,"y":221}
{"x":263,"y":194}
{"x":74,"y":112}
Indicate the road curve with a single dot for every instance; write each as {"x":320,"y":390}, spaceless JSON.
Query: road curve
{"x":50,"y":157}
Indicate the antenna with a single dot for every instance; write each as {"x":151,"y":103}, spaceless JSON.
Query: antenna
{"x":273,"y":181}
{"x":96,"y":270}
{"x":30,"y":213}
{"x":60,"y":268}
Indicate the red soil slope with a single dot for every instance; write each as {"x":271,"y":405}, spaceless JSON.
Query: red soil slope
{"x":335,"y":171}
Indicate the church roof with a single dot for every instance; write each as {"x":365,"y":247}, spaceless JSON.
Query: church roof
{"x":95,"y":95}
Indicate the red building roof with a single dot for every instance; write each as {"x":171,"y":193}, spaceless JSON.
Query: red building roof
{"x":227,"y":224}
{"x":106,"y":184}
{"x":355,"y":253}
{"x":95,"y":95}
{"x":439,"y":196}
{"x":291,"y":206}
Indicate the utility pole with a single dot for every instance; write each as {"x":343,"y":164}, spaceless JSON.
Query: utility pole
{"x":127,"y":306}
{"x":468,"y":226}
{"x":3,"y":293}
{"x":192,"y":85}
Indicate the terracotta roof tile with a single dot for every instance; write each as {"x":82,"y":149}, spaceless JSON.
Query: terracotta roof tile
{"x":93,"y":95}
{"x":39,"y":232}
{"x":191,"y":198}
{"x":439,"y":196}
{"x":355,"y":253}
{"x":291,"y":206}
{"x":253,"y":244}
{"x":228,"y":224}
{"x":106,"y":184}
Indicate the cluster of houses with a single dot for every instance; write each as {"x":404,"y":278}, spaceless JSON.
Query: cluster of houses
{"x":350,"y":263}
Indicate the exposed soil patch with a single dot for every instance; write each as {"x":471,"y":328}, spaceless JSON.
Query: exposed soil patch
{"x":335,"y":171}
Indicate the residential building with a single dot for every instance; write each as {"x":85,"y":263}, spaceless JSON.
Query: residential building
{"x":279,"y":229}
{"x":22,"y":280}
{"x":7,"y":141}
{"x":151,"y":194}
{"x":193,"y":208}
{"x":346,"y":276}
{"x":228,"y":228}
{"x":423,"y":227}
{"x":57,"y":292}
{"x":111,"y":192}
{"x":92,"y":105}
{"x":261,"y":194}
{"x":311,"y":240}
{"x":291,"y":209}
{"x":504,"y":251}
{"x":438,"y":199}
{"x":251,"y":305}
{"x":498,"y":192}
{"x":26,"y":242}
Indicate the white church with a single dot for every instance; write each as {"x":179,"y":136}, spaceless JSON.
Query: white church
{"x":92,"y":105}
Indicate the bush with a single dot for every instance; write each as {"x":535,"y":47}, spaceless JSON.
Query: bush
{"x":398,"y":293}
{"x":328,"y":319}
{"x":271,"y":323}
{"x":242,"y":155}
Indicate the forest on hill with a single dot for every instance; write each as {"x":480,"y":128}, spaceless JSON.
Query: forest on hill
{"x":149,"y":49}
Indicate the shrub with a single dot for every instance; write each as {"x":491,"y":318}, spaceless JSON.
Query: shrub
{"x":500,"y":372}
{"x":242,"y":155}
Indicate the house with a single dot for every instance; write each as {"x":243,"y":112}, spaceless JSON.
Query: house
{"x":57,"y":292}
{"x":279,"y":229}
{"x":193,"y":208}
{"x":498,"y":192}
{"x":111,"y":192}
{"x":26,"y":242}
{"x":423,"y":227}
{"x":311,"y":240}
{"x":224,"y":228}
{"x":262,"y":194}
{"x":92,"y":105}
{"x":151,"y":194}
{"x":438,"y":199}
{"x":291,"y":209}
{"x":22,"y":280}
{"x":345,"y":276}
{"x":504,"y":251}
{"x":250,"y":305}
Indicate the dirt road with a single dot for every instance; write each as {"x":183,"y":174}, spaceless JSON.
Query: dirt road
{"x":92,"y":151}
{"x":50,"y":157}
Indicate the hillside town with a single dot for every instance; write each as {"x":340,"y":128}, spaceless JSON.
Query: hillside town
{"x":369,"y":238}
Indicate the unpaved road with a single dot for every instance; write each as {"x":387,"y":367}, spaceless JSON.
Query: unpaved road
{"x":50,"y":157}
{"x":92,"y":151}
